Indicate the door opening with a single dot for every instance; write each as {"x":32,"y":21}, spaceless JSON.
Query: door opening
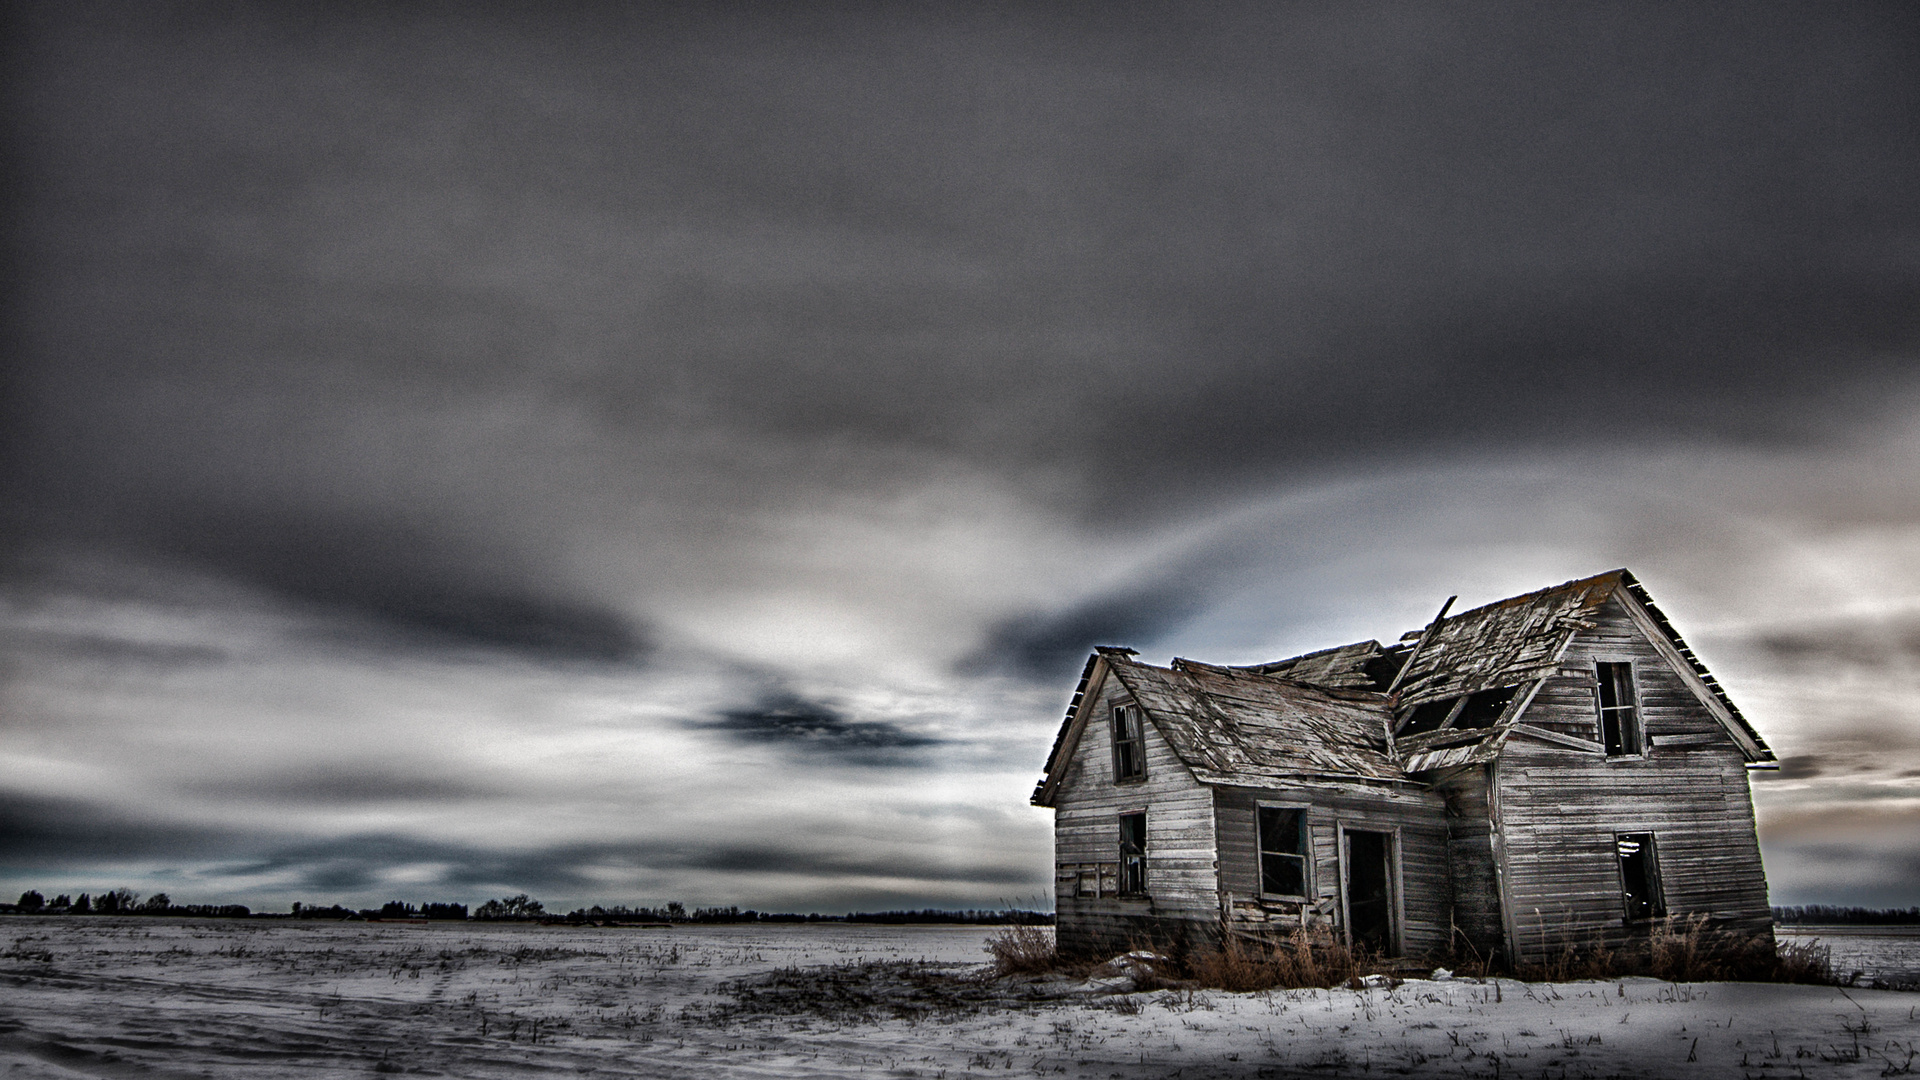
{"x":1370,"y":890}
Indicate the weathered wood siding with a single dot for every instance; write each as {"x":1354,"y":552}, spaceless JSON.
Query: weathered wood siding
{"x":1182,"y":887}
{"x":1470,"y":857}
{"x":1558,"y":809}
{"x":1423,"y":892}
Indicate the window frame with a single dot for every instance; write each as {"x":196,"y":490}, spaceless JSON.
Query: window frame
{"x":1122,"y":740}
{"x":1132,"y":881}
{"x":1304,"y":850}
{"x":1656,"y":888}
{"x":1630,"y":749}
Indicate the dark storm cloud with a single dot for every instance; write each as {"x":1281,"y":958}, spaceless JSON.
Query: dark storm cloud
{"x":790,"y":721}
{"x":1854,"y":745}
{"x":1169,"y":249}
{"x":1865,"y":643}
{"x":803,"y":858}
{"x":335,"y":786}
{"x":109,"y":651}
{"x":1052,"y":646}
{"x":538,"y":627}
{"x":1797,"y":767}
{"x":38,"y":829}
{"x":361,"y":862}
{"x":1837,"y":854}
{"x":1831,"y":873}
{"x":423,"y":588}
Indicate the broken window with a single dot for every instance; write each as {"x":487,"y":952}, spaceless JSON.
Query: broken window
{"x":1476,"y":710}
{"x":1639,"y":876}
{"x":1283,"y":848}
{"x":1483,"y":708}
{"x":1430,"y":716}
{"x":1129,"y":744}
{"x":1133,"y":854}
{"x":1619,"y":711}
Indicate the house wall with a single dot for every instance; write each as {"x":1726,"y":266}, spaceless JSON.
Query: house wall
{"x":1182,"y":889}
{"x":1417,"y":817}
{"x":1557,"y":808}
{"x":1475,"y":886}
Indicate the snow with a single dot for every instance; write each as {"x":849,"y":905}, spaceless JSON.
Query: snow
{"x":159,"y":997}
{"x":1882,"y":955}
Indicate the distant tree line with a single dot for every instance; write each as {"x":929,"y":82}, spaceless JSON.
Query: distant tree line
{"x":332,"y":911}
{"x":1002,"y":917}
{"x":392,"y":909}
{"x":523,"y":908}
{"x":520,"y":908}
{"x":677,"y":912}
{"x":1825,"y":915}
{"x":123,"y":902}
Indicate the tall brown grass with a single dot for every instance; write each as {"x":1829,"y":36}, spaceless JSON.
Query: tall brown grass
{"x":1023,"y":950}
{"x":1804,"y":962}
{"x":1677,"y":948}
{"x":1685,"y":948}
{"x":1297,"y":961}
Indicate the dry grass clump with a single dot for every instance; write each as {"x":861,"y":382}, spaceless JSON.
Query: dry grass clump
{"x":1298,"y":961}
{"x":1804,"y":962}
{"x":1681,"y":949}
{"x":1573,"y":963}
{"x":1685,"y":949}
{"x":1676,"y":948}
{"x":1024,"y":950}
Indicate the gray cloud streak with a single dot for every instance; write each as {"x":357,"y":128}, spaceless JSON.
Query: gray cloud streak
{"x":786,"y":720}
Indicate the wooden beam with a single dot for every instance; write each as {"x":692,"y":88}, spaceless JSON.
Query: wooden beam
{"x":1693,"y":739}
{"x":1432,"y":628}
{"x":1496,"y":836}
{"x":1545,"y":735}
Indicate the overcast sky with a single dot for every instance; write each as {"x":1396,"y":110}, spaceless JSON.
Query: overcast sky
{"x":650,"y":452}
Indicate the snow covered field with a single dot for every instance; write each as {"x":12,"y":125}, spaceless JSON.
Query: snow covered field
{"x":1883,"y":955}
{"x":165,"y":998}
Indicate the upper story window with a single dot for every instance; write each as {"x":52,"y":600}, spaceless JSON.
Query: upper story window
{"x":1133,"y":854}
{"x":1129,"y":744}
{"x":1482,"y":709}
{"x":1430,"y":716}
{"x":1619,"y":710}
{"x":1477,"y":710}
{"x":1283,"y":848}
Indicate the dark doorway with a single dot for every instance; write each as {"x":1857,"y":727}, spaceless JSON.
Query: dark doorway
{"x":1370,"y":890}
{"x":1639,"y":876}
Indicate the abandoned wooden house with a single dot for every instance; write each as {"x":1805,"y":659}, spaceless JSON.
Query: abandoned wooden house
{"x":1551,"y":770}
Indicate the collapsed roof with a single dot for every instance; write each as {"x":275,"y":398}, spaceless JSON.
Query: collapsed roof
{"x":1328,"y":714}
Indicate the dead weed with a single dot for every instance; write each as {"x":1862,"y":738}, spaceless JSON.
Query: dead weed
{"x":1298,"y":961}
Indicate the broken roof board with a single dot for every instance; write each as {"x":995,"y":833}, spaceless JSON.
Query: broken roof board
{"x":1522,"y":638}
{"x":1306,"y":716}
{"x":1231,"y":727}
{"x":1506,"y":642}
{"x":1263,"y":726}
{"x":1341,"y":666}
